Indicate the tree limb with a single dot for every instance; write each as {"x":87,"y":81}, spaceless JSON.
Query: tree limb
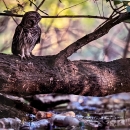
{"x":61,"y":16}
{"x":101,"y":31}
{"x":40,"y":76}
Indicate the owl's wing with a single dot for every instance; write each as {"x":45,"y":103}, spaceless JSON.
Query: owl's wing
{"x":39,"y":35}
{"x":18,"y":40}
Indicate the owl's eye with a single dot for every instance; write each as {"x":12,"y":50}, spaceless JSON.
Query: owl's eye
{"x":30,"y":22}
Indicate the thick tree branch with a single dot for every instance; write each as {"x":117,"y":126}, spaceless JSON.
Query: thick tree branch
{"x":71,"y":6}
{"x":40,"y":75}
{"x":101,"y":31}
{"x":9,"y":108}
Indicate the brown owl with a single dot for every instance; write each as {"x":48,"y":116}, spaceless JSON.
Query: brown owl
{"x":27,"y":35}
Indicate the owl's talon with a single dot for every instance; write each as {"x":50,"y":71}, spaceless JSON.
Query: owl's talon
{"x":31,"y":55}
{"x":22,"y":57}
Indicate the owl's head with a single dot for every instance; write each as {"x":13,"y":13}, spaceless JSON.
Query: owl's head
{"x":31,"y":19}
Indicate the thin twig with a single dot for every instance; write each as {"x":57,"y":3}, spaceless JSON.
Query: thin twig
{"x":119,"y":11}
{"x":114,"y":9}
{"x":71,"y":6}
{"x":110,"y":17}
{"x":37,"y":7}
{"x":113,"y":14}
{"x":40,"y":5}
{"x":112,"y":6}
{"x":21,"y":6}
{"x":102,"y":8}
{"x":62,"y":16}
{"x":8,"y":9}
{"x":5,"y":5}
{"x":98,"y":7}
{"x":119,"y":7}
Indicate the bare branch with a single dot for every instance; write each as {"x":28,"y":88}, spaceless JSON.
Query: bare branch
{"x":110,"y":17}
{"x":116,"y":10}
{"x":97,"y":7}
{"x":71,"y":6}
{"x":62,"y":16}
{"x":113,"y":7}
{"x":40,"y":5}
{"x":8,"y":9}
{"x":37,"y":7}
{"x":113,"y":14}
{"x":102,"y":8}
{"x":90,"y":37}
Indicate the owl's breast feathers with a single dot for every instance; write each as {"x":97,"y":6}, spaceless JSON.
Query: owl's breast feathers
{"x":34,"y":33}
{"x":24,"y":36}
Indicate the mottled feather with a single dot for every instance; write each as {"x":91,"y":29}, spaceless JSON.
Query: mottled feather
{"x":27,"y":35}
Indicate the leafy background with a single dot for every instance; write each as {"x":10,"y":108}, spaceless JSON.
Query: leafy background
{"x":58,"y":33}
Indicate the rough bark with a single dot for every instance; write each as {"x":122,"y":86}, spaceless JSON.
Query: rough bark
{"x":14,"y":107}
{"x":56,"y":74}
{"x":40,"y":76}
{"x":9,"y":108}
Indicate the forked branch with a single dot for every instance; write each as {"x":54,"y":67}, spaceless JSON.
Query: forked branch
{"x":101,"y":31}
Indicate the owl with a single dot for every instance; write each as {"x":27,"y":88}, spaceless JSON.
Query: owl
{"x":27,"y":35}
